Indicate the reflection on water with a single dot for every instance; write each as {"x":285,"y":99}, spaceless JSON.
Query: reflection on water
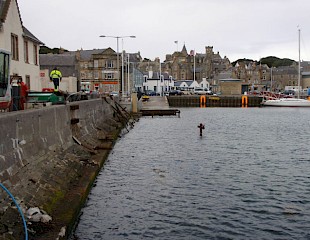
{"x":247,"y":177}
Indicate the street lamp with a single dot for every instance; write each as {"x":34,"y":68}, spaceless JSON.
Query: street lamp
{"x":117,"y":54}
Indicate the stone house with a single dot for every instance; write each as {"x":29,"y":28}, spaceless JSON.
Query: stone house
{"x":284,"y":76}
{"x":184,"y":66}
{"x":305,"y":80}
{"x":21,"y":43}
{"x":232,"y":86}
{"x":256,"y":76}
{"x":98,"y":70}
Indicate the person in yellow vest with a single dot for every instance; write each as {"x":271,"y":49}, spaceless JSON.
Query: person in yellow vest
{"x":56,"y":77}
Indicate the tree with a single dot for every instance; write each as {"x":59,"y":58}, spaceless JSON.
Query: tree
{"x":276,"y":62}
{"x":271,"y":61}
{"x":244,"y":60}
{"x":46,"y":50}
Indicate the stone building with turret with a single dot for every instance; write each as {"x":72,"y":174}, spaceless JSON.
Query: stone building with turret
{"x":195,"y":66}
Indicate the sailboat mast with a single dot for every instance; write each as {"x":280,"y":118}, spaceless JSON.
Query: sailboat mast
{"x":298,"y":62}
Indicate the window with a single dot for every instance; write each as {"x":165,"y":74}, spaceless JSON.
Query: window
{"x":14,"y":47}
{"x":26,"y":52}
{"x":96,"y":63}
{"x":109,"y":64}
{"x":4,"y":73}
{"x":35,"y":54}
{"x":96,"y":75}
{"x":28,"y":81}
{"x":109,"y":76}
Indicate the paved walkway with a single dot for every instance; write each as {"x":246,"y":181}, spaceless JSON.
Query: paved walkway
{"x":156,"y":102}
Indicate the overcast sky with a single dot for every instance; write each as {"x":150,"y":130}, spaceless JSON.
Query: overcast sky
{"x":235,"y":28}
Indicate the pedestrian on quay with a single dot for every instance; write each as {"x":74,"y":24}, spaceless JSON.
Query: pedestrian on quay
{"x":56,"y":77}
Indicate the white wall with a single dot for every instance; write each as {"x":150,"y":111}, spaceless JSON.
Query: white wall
{"x":12,"y":25}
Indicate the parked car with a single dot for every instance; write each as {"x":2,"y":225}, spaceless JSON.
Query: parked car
{"x":289,"y":92}
{"x":200,"y":91}
{"x":151,"y":93}
{"x":114,"y":93}
{"x":175,"y":92}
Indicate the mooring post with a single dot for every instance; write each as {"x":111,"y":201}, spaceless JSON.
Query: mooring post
{"x":201,"y":126}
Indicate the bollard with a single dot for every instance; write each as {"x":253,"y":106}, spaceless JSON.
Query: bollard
{"x":244,"y":101}
{"x":201,"y":127}
{"x":203,"y":101}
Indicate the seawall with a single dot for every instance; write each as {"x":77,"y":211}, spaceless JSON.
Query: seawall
{"x":49,"y":158}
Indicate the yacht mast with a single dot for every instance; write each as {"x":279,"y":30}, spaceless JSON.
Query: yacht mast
{"x":298,"y":62}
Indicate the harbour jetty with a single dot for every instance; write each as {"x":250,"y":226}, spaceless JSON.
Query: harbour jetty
{"x":214,"y":101}
{"x":158,"y":106}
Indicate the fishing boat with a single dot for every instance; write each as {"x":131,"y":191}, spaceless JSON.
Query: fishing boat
{"x":289,"y":102}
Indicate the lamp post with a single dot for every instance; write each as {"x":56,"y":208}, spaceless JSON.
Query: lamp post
{"x":117,"y":54}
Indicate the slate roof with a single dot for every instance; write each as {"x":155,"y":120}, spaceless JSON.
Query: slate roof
{"x":282,"y":70}
{"x":57,"y":60}
{"x":86,"y":54}
{"x":179,"y":82}
{"x":156,"y":76}
{"x":30,"y":36}
{"x":134,"y":57}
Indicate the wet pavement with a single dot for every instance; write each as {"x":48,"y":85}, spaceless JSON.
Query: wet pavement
{"x":156,"y":102}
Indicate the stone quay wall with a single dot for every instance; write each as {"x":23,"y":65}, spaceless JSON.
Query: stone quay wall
{"x":49,"y":158}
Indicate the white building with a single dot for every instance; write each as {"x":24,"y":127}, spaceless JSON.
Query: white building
{"x":190,"y":85}
{"x":21,"y":43}
{"x":152,"y":82}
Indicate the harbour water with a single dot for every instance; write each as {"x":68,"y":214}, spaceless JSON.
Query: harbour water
{"x":247,"y":177}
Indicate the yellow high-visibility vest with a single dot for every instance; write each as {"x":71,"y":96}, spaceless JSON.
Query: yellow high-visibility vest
{"x":55,"y":74}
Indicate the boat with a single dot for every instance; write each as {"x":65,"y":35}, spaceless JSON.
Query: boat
{"x":289,"y":102}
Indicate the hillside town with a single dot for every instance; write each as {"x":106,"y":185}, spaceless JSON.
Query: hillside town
{"x":106,"y":70}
